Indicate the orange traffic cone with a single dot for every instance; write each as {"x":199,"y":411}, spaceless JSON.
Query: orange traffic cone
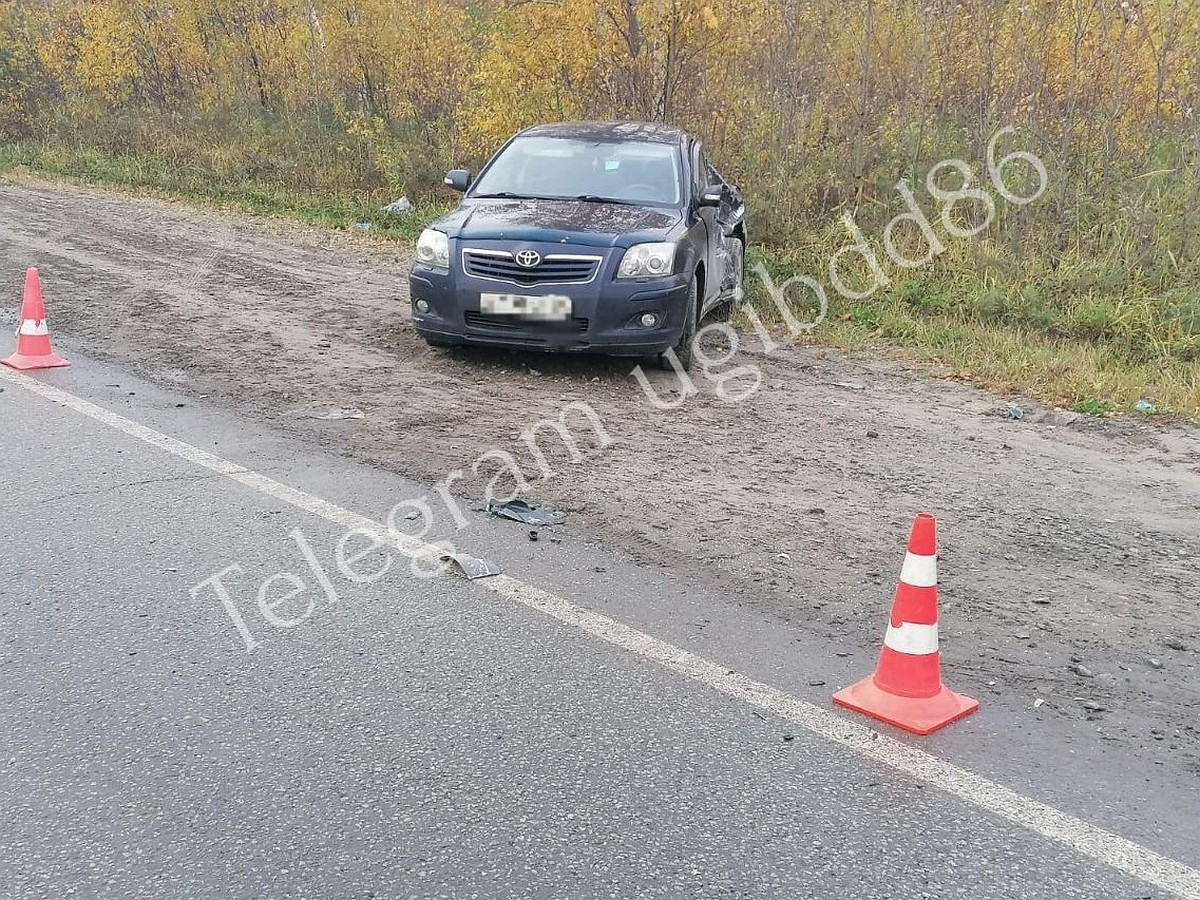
{"x":906,"y":689}
{"x":33,"y":337}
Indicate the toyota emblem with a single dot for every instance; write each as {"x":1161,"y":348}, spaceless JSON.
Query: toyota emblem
{"x":527,"y":259}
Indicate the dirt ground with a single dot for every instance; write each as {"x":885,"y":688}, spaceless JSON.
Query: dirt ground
{"x":1070,"y":545}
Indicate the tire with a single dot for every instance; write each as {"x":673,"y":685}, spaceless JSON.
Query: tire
{"x":684,"y":350}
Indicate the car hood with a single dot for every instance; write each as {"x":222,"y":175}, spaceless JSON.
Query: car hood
{"x":558,"y":221}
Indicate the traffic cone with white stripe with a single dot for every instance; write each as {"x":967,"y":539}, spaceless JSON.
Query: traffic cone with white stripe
{"x":33,"y":337}
{"x":906,"y":689}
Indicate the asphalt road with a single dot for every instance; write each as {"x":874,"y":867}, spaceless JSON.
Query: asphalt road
{"x":426,"y":738}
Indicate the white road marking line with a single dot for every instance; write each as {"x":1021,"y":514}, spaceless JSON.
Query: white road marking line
{"x":1083,"y":837}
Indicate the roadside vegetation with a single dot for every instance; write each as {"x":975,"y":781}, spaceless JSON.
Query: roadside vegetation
{"x":325,"y":110}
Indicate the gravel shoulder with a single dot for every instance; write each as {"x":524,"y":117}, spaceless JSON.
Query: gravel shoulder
{"x":1071,"y":546}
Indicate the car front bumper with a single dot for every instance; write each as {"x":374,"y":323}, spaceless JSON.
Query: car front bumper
{"x":605,"y":312}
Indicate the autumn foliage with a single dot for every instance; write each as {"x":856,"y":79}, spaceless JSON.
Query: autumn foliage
{"x":771,"y":84}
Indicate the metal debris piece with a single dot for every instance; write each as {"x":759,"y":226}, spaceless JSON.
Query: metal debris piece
{"x":471,"y":566}
{"x":520,"y":511}
{"x":333,"y":415}
{"x":399,"y":207}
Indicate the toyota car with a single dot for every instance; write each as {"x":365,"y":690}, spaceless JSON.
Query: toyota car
{"x":605,"y":237}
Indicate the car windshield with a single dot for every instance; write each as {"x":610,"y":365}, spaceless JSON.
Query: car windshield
{"x":568,"y":168}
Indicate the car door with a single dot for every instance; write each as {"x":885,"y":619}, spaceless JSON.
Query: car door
{"x":733,"y":207}
{"x":730,"y":217}
{"x":711,"y":238}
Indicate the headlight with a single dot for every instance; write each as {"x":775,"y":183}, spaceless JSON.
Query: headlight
{"x":647,"y":261}
{"x":433,"y":249}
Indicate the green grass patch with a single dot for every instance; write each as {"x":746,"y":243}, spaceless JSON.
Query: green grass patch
{"x":161,"y":178}
{"x":1093,"y":407}
{"x":1094,"y":353}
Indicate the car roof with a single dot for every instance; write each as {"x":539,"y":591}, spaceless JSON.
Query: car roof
{"x":610,"y":131}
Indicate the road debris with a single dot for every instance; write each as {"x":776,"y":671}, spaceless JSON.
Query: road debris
{"x":399,"y":207}
{"x":471,"y":566}
{"x":520,"y":511}
{"x":334,"y":414}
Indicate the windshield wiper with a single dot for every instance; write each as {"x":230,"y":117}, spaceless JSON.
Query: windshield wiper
{"x":586,"y":198}
{"x":596,"y":198}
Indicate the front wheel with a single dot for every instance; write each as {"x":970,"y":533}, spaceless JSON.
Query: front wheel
{"x":684,"y":348}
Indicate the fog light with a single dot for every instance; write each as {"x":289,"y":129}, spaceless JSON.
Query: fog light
{"x":422,"y":306}
{"x":649,"y":320}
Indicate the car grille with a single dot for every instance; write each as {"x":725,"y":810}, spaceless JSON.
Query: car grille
{"x":508,"y":323}
{"x":499,"y":265}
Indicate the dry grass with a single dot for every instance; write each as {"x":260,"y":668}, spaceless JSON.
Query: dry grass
{"x":1076,"y":376}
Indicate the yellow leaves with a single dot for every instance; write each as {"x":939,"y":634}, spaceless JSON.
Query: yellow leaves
{"x":89,"y":46}
{"x":757,"y":76}
{"x":104,"y":54}
{"x":538,"y":62}
{"x":406,"y":59}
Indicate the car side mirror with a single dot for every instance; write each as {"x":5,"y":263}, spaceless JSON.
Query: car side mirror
{"x":459,"y":179}
{"x":711,"y":197}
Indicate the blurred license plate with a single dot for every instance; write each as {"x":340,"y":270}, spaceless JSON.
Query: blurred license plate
{"x":549,"y":307}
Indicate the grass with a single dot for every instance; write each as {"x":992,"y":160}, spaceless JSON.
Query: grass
{"x":155,"y":177}
{"x":1096,"y":351}
{"x":1009,"y":362}
{"x":1082,"y":328}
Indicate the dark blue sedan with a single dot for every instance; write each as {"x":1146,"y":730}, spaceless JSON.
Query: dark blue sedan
{"x":609,"y":237}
